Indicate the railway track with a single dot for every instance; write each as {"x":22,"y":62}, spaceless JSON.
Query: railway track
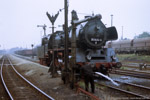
{"x":78,"y":88}
{"x":132,"y":94}
{"x":17,"y":86}
{"x":138,"y":89}
{"x":129,"y":94}
{"x":138,"y":74}
{"x":3,"y":93}
{"x":136,"y":66}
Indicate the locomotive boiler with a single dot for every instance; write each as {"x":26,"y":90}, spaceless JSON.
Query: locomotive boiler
{"x":91,"y":37}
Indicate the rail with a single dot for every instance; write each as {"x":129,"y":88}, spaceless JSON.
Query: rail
{"x":137,"y":66}
{"x":4,"y":81}
{"x":135,"y":85}
{"x":132,"y":73}
{"x":39,"y":90}
{"x":124,"y":91}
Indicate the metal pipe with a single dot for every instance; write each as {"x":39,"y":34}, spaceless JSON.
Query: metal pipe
{"x":73,"y":50}
{"x":76,"y":22}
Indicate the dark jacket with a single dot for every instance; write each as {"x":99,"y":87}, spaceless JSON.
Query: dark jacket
{"x":86,"y":70}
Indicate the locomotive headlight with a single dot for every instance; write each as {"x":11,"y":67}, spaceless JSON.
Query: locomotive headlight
{"x":88,"y":57}
{"x":60,"y":60}
{"x":114,"y":57}
{"x":98,"y":27}
{"x":70,"y":57}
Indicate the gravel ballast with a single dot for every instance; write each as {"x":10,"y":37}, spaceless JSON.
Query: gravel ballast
{"x":38,"y":75}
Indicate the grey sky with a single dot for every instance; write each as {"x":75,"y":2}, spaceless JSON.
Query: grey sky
{"x":19,"y":18}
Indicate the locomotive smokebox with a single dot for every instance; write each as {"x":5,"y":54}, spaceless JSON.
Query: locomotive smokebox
{"x":94,"y":34}
{"x":112,"y":33}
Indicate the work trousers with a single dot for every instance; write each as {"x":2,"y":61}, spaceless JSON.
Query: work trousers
{"x":88,"y":79}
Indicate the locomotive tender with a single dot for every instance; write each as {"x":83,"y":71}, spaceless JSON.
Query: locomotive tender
{"x":91,"y":37}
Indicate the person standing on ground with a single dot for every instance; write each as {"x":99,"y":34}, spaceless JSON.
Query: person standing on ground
{"x":87,"y":73}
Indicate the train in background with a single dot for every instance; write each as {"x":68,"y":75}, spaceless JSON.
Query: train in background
{"x":91,"y":37}
{"x":137,"y":46}
{"x":26,"y":52}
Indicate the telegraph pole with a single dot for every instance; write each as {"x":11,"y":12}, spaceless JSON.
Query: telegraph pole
{"x":32,"y":50}
{"x":122,"y":33}
{"x":111,"y":22}
{"x":66,"y":34}
{"x":44,"y":28}
{"x":111,"y":19}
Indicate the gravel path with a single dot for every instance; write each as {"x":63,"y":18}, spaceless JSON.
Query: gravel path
{"x":39,"y":75}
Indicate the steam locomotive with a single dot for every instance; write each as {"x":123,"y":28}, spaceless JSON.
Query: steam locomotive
{"x":91,"y":37}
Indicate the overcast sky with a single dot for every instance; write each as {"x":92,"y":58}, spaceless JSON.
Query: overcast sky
{"x":19,"y":18}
